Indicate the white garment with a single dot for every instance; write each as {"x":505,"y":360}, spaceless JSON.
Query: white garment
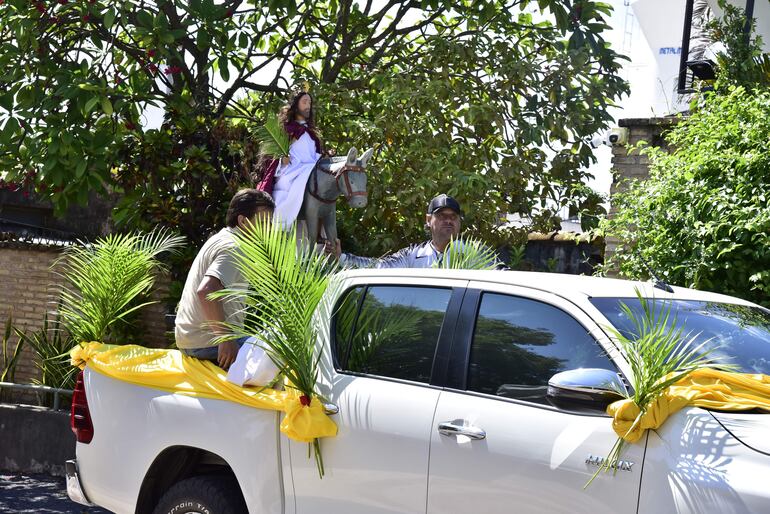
{"x":252,"y":366}
{"x":290,"y":180}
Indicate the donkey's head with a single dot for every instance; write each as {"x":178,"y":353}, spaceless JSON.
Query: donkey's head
{"x":352,"y":179}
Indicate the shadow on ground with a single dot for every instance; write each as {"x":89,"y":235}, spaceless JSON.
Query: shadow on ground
{"x":38,"y":494}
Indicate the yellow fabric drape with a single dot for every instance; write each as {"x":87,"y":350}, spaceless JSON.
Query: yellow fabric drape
{"x":709,"y":388}
{"x":174,"y":372}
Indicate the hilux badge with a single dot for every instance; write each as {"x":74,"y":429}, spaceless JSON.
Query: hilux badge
{"x":622,"y":465}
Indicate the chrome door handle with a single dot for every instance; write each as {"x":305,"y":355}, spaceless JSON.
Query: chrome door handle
{"x":330,"y":408}
{"x":451,"y":428}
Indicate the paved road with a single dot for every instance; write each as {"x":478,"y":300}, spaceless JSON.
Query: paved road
{"x":38,"y":494}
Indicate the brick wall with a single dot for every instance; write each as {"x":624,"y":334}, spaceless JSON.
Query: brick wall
{"x":28,"y":291}
{"x":630,"y":165}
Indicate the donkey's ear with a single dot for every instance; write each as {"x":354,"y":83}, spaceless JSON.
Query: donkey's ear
{"x":352,"y":155}
{"x":367,"y":155}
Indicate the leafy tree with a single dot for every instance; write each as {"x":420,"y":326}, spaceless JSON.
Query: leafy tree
{"x":702,"y":218}
{"x":488,"y":100}
{"x":742,"y":63}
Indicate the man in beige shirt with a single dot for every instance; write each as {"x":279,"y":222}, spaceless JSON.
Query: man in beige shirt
{"x":199,"y":320}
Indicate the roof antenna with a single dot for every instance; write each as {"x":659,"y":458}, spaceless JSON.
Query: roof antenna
{"x":657,"y":282}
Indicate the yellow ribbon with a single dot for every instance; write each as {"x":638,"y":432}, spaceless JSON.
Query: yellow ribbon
{"x":708,"y":388}
{"x":174,"y":372}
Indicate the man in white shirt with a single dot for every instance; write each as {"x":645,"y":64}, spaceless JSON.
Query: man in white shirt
{"x":443,"y":220}
{"x":199,"y":319}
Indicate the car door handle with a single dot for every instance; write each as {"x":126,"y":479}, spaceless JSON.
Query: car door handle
{"x":452,"y":428}
{"x":330,"y":408}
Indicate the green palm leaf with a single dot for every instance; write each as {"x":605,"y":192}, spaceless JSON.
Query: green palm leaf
{"x":468,"y":253}
{"x":273,"y":139}
{"x":285,"y":285}
{"x":103,"y":280}
{"x":660,"y":354}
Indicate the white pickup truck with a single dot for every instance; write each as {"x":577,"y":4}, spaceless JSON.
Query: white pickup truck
{"x":446,"y":399}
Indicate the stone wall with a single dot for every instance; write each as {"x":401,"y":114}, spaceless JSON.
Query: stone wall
{"x":35,"y":440}
{"x":29,"y":292}
{"x":630,"y":165}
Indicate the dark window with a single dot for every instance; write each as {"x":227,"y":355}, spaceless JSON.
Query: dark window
{"x":519,"y":344}
{"x":344,"y":320}
{"x":393,"y":333}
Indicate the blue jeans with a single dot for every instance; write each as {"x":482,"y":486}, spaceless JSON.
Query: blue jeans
{"x":209,"y":353}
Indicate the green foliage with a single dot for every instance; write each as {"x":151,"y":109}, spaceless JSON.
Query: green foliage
{"x":516,"y":255}
{"x":10,"y":357}
{"x":285,"y":284}
{"x":274,"y":141}
{"x":702,"y":219}
{"x":106,"y":278}
{"x":490,"y":101}
{"x":52,"y":346}
{"x":468,"y":253}
{"x":742,"y":63}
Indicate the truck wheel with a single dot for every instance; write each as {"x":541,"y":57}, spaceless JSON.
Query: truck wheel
{"x":208,"y":494}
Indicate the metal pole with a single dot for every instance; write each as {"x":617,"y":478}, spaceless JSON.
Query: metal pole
{"x":40,"y":389}
{"x":749,"y":18}
{"x":681,"y":85}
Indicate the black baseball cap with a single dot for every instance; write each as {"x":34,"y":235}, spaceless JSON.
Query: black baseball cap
{"x":443,"y":201}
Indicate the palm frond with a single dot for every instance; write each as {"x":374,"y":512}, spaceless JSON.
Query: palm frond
{"x":52,"y":346}
{"x":273,"y":139}
{"x":104,"y":279}
{"x":468,"y":253}
{"x":660,"y":354}
{"x":286,"y":283}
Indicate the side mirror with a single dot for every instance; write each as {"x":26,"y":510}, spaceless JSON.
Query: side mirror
{"x":586,"y":389}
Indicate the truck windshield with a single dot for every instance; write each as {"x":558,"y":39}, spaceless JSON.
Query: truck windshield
{"x":740,"y":334}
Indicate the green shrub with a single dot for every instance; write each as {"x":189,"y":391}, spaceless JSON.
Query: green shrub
{"x":10,"y":356}
{"x":702,"y":219}
{"x":52,"y":346}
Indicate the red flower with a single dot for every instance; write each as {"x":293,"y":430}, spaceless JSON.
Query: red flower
{"x":152,"y":67}
{"x":230,"y":12}
{"x":172,"y":70}
{"x":130,"y":125}
{"x":86,"y":18}
{"x":150,"y":53}
{"x":40,"y":7}
{"x":25,"y":194}
{"x":304,"y":400}
{"x":63,"y":2}
{"x":118,"y":81}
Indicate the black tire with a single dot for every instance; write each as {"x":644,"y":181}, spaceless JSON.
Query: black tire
{"x":208,"y":494}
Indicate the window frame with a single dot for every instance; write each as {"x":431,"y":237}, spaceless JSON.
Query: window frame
{"x":441,"y":356}
{"x":459,"y":366}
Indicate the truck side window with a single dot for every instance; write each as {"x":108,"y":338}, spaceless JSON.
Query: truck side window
{"x":344,"y":319}
{"x":395,"y":332}
{"x":519,"y":344}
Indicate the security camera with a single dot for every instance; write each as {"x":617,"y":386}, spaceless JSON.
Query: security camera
{"x":614,"y":137}
{"x":617,"y":136}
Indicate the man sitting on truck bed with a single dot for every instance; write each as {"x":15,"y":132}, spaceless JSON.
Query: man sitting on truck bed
{"x":199,"y":320}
